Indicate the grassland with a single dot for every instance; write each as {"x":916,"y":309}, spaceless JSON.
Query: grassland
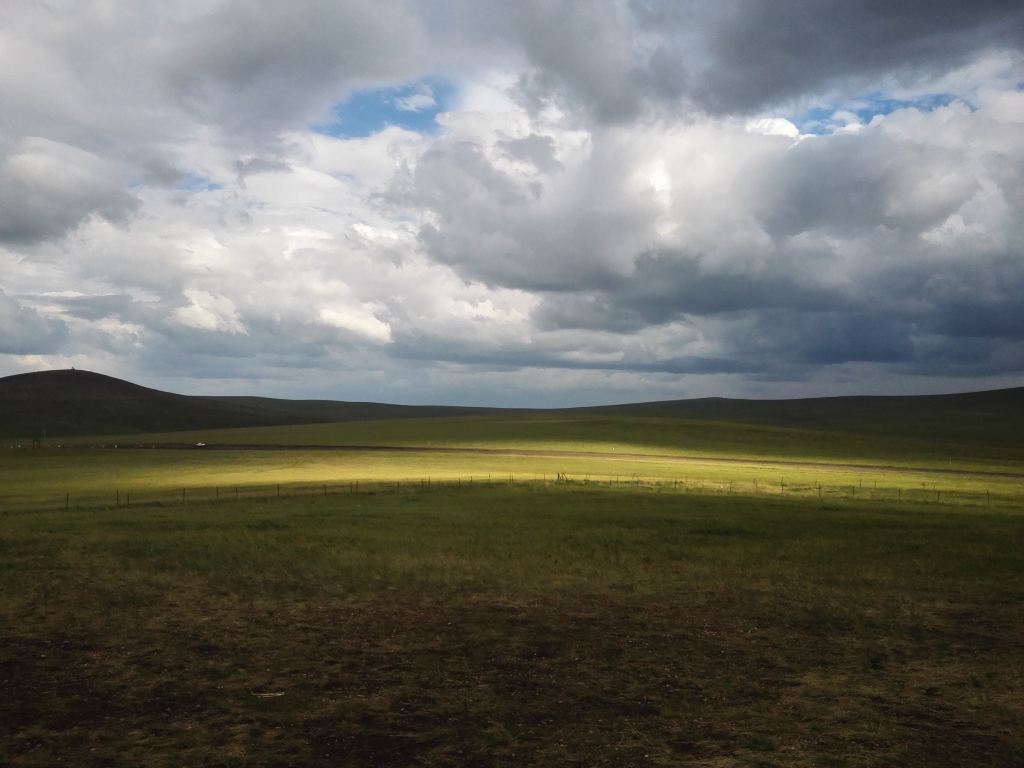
{"x":64,"y":403}
{"x":72,"y":402}
{"x":590,"y":588}
{"x":617,"y":434}
{"x":91,"y":477}
{"x":694,"y":455}
{"x":515,"y":625}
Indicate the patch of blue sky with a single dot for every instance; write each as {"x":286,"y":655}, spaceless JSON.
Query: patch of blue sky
{"x":193,"y":182}
{"x":819,"y":119}
{"x":413,"y":106}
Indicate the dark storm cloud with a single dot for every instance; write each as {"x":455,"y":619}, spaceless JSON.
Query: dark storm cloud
{"x":766,"y":52}
{"x":616,"y":59}
{"x":418,"y":346}
{"x":48,"y":188}
{"x":513,"y":231}
{"x":849,"y":184}
{"x":537,"y":150}
{"x":966,"y":357}
{"x":256,"y":165}
{"x":587,"y":55}
{"x":257,"y":66}
{"x":820,"y":338}
{"x":96,"y":307}
{"x":26,"y":332}
{"x":665,"y":286}
{"x":913,"y":315}
{"x":957,"y":299}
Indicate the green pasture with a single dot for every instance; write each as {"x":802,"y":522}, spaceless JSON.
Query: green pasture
{"x":532,"y":589}
{"x":510,"y":625}
{"x":621,"y":434}
{"x":526,"y":540}
{"x":85,"y":477}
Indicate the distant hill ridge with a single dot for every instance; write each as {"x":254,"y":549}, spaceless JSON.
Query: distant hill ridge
{"x":993,"y":416}
{"x":73,"y":403}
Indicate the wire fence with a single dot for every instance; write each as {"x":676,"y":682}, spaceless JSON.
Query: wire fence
{"x":775,"y":487}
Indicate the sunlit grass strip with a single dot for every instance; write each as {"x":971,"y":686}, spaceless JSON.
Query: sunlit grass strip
{"x":870,"y":491}
{"x":612,"y":435}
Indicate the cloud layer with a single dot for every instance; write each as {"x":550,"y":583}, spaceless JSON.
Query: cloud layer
{"x":621,"y":200}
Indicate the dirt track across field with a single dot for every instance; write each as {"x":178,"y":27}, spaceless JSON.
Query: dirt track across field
{"x":561,"y":454}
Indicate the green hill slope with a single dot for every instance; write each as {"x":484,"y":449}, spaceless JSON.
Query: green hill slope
{"x":994,"y":418}
{"x":69,"y":403}
{"x":944,"y":427}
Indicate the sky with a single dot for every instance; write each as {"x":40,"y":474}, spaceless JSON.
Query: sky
{"x":529,"y":203}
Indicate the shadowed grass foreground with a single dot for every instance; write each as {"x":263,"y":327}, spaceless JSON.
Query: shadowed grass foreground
{"x":513,"y":626}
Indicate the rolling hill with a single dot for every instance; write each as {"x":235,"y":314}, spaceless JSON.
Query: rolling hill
{"x":68,"y":403}
{"x":994,"y":416}
{"x":76,"y":403}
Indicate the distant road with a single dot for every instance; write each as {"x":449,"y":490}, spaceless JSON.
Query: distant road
{"x":560,"y":454}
